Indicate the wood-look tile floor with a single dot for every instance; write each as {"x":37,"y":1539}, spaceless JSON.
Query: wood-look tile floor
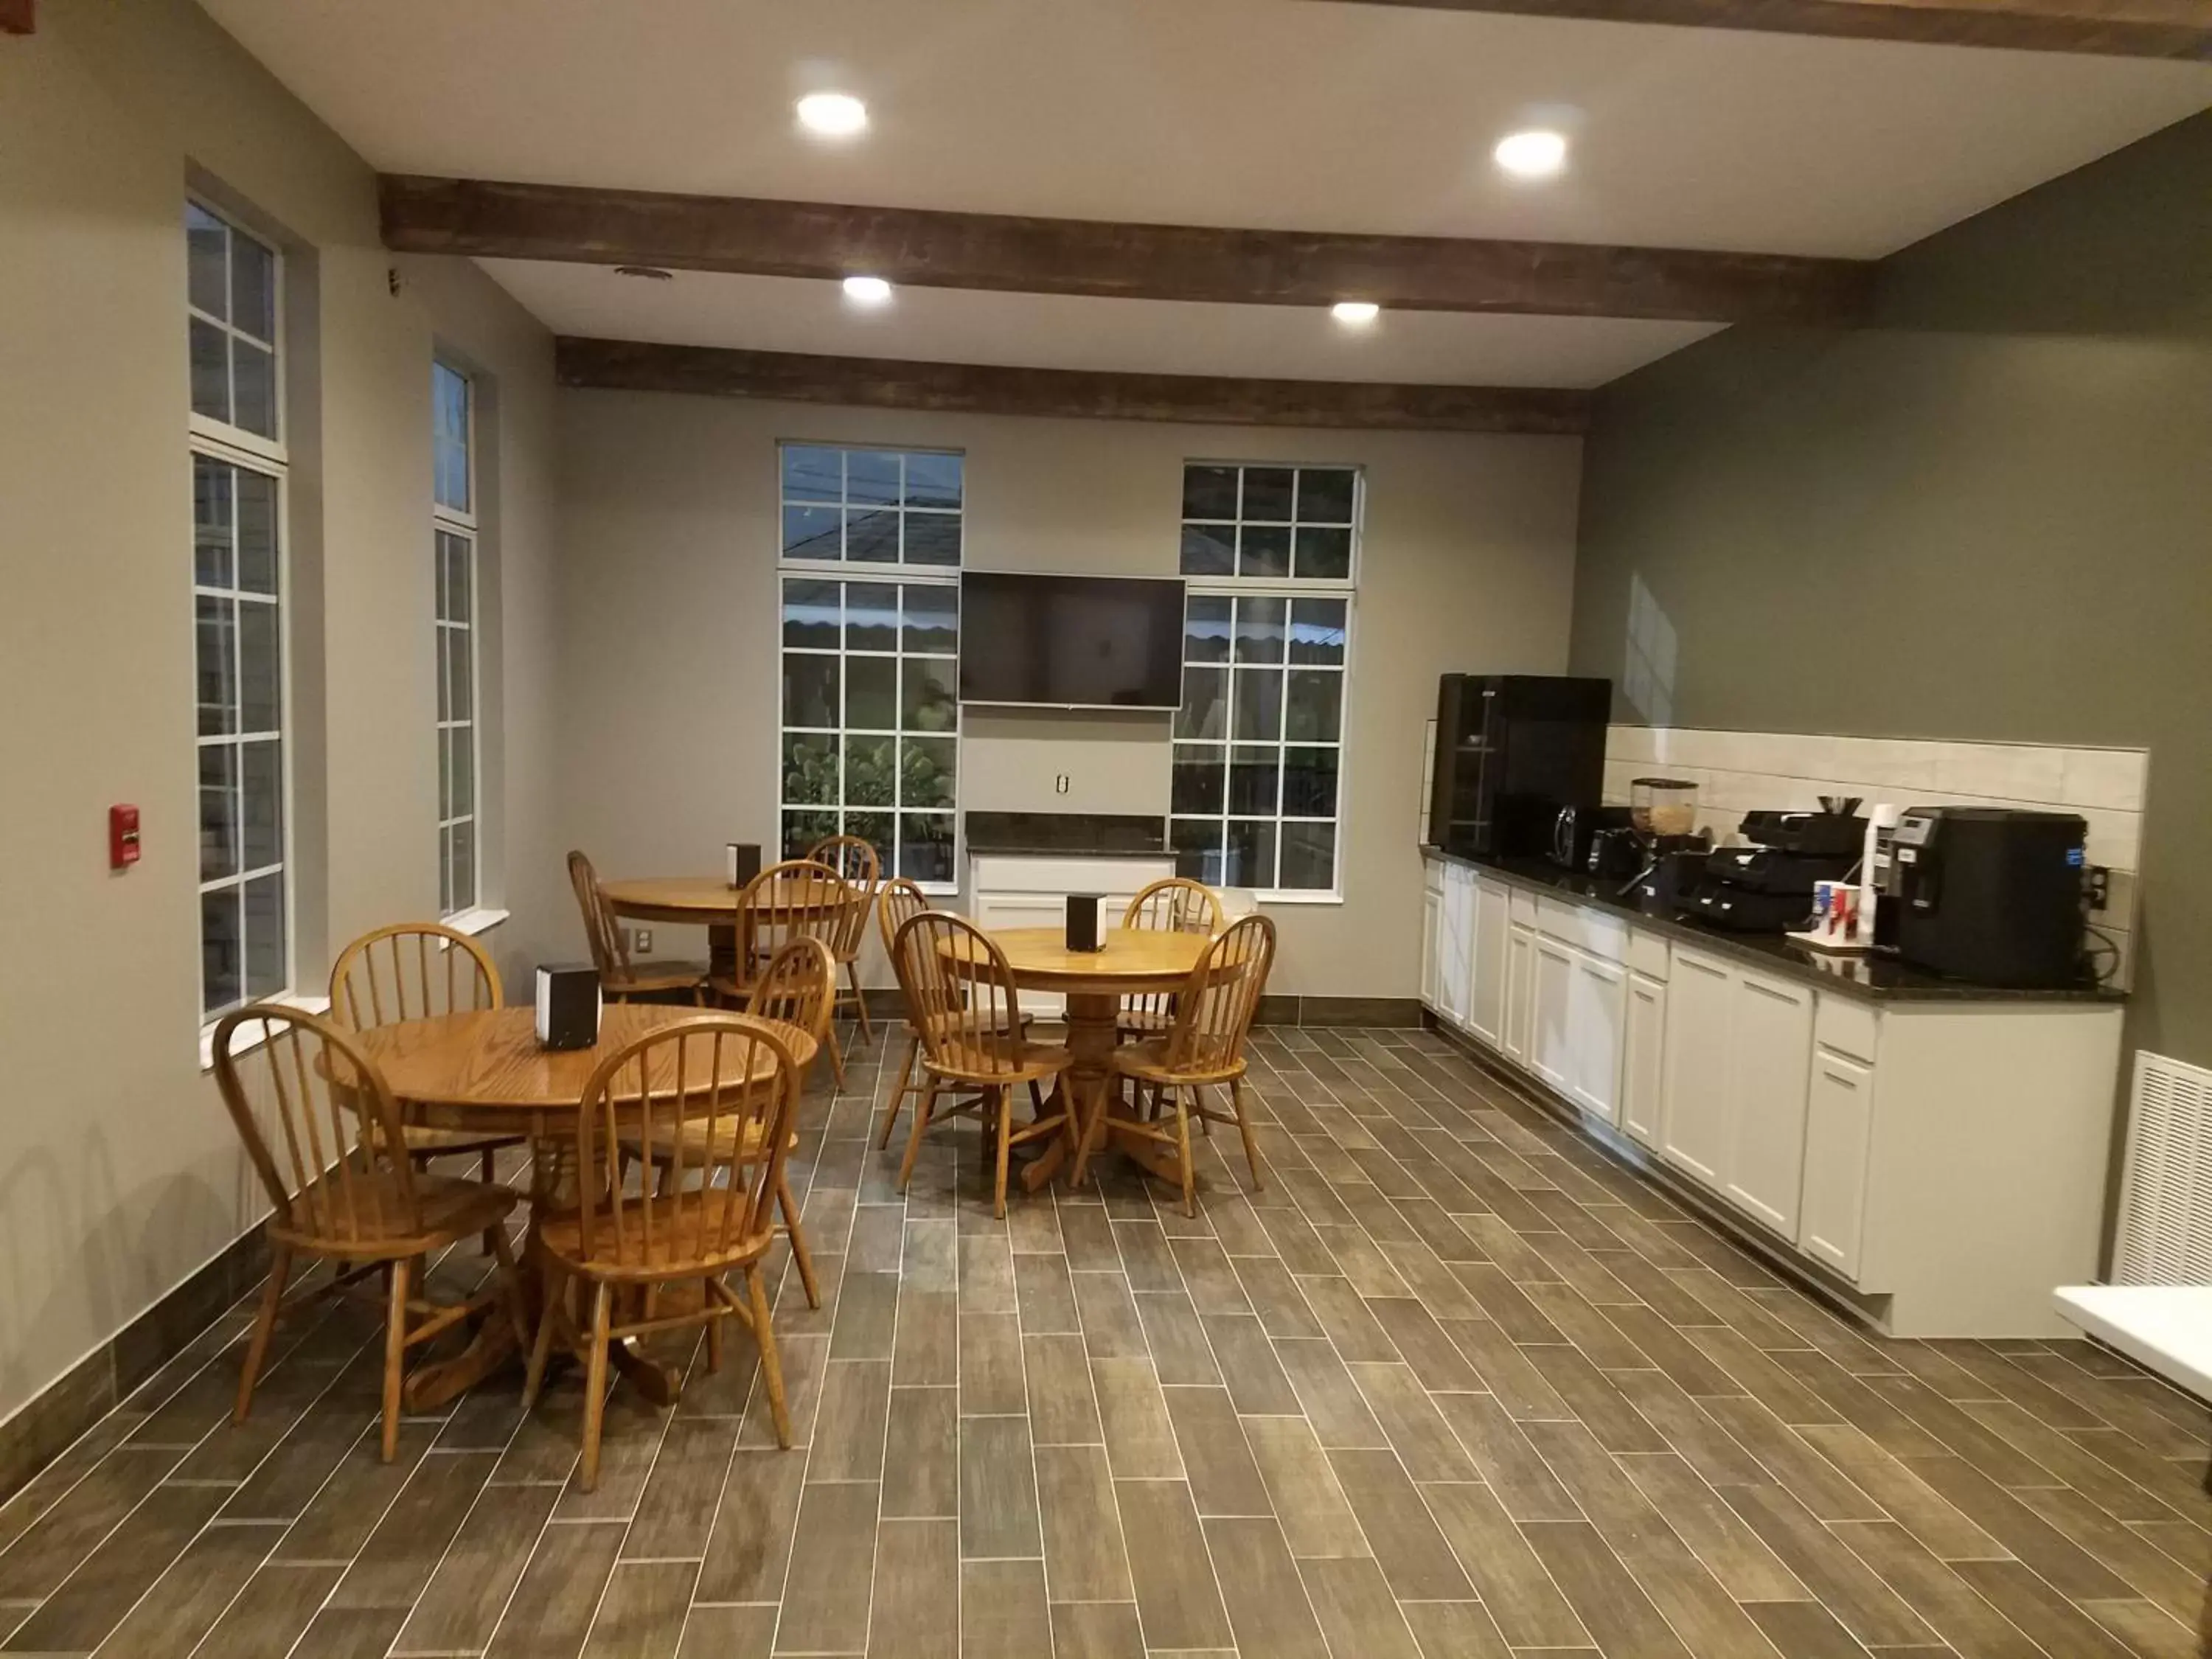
{"x":1453,"y":1385}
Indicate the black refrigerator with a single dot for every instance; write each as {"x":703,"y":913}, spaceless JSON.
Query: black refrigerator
{"x":1511,"y":751}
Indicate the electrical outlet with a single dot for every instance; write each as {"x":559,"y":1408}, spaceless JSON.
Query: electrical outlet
{"x":641,"y":941}
{"x":1059,"y":784}
{"x":2100,"y":886}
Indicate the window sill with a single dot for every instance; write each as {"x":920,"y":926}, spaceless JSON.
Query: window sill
{"x":478,"y":921}
{"x":241,"y":1042}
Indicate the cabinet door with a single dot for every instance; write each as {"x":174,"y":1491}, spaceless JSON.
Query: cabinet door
{"x":1838,"y":1132}
{"x":1455,"y":964}
{"x":1694,"y":1098}
{"x":1643,"y":1047}
{"x":1769,"y":1060}
{"x":1597,"y":1013}
{"x":1485,"y":1015}
{"x":1520,"y":990}
{"x":993,"y":912}
{"x":1550,"y":1053}
{"x":1432,"y":907}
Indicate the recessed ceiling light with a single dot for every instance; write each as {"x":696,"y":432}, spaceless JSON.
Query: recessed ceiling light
{"x":867,"y":290}
{"x":833,"y":114}
{"x":1355,"y":313}
{"x":1536,"y":153}
{"x":651,"y":273}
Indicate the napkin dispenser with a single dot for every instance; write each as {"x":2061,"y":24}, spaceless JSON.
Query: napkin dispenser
{"x":1083,"y":926}
{"x":743,"y":858}
{"x":568,"y":1006}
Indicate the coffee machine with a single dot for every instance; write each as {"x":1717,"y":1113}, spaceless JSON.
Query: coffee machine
{"x":1990,"y":894}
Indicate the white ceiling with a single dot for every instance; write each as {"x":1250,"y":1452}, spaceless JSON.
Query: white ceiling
{"x":1294,"y":114}
{"x":1048,"y":330}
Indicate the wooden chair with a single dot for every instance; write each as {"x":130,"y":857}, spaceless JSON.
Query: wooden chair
{"x":1176,"y":905}
{"x":858,"y":864}
{"x":419,"y":970}
{"x":620,"y":979}
{"x":799,"y":989}
{"x":795,"y":899}
{"x":898,"y":904}
{"x":343,"y":1196}
{"x":961,"y":999}
{"x":665,"y":1091}
{"x":1205,"y":1046}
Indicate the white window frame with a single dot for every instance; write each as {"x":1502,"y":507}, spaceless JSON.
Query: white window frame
{"x":1289,"y":588}
{"x":900,"y":575}
{"x":229,"y":446}
{"x":459,"y":525}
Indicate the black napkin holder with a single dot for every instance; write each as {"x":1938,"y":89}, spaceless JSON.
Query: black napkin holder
{"x":1084,"y":931}
{"x":568,"y":1006}
{"x":744,"y":861}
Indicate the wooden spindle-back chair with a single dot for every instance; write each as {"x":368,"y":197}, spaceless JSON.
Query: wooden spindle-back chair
{"x":298,"y":1099}
{"x":861,"y":866}
{"x":795,"y":899}
{"x":691,"y":1096}
{"x":1175,"y":904}
{"x":1204,"y":1048}
{"x":419,"y":970}
{"x":797,"y":990}
{"x":898,"y":902}
{"x":620,"y":979}
{"x":961,"y":1000}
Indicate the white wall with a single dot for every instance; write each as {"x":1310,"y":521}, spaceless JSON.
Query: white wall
{"x":119,"y":1173}
{"x":669,"y":678}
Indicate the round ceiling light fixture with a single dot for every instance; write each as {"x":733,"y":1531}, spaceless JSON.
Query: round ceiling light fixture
{"x":1355,"y":313}
{"x":867,"y":290}
{"x":833,"y":114}
{"x":1539,"y":153}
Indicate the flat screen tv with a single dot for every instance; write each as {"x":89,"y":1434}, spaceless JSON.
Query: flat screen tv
{"x":1071,"y":641}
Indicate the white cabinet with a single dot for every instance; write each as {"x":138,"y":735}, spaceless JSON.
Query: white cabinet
{"x":1551,"y":1045}
{"x":1520,"y":990}
{"x":1770,"y":1049}
{"x":1432,"y":907}
{"x":1455,"y":943}
{"x":1486,"y":1000}
{"x":1693,"y":1099}
{"x":1597,"y":1015}
{"x":1643,"y":1050}
{"x":1007,"y":890}
{"x":1838,"y":1132}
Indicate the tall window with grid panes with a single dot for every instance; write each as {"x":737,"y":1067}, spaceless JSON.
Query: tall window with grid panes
{"x":1270,"y":556}
{"x":239,"y":466}
{"x":453,"y":573}
{"x":869,"y":567}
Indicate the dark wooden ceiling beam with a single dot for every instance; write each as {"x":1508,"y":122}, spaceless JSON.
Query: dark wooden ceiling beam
{"x":1003,"y":252}
{"x":2113,"y":28}
{"x":1084,"y":394}
{"x":17,"y":16}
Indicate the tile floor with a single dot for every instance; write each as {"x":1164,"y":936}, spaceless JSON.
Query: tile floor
{"x":1453,"y":1387}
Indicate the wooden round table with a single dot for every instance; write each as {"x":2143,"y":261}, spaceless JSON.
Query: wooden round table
{"x":1135,"y":961}
{"x":485,"y":1071}
{"x":707,"y":902}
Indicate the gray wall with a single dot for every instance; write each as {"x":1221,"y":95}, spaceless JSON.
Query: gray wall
{"x":119,"y":1172}
{"x":669,"y":680}
{"x":1988,"y":515}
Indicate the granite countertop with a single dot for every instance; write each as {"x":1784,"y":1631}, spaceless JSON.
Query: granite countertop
{"x":1880,"y":979}
{"x":1067,"y":835}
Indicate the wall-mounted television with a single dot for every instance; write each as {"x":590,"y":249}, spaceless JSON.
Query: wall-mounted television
{"x":1071,"y":641}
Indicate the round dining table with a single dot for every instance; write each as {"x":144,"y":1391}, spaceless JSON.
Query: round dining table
{"x":707,"y":902}
{"x":486,"y":1071}
{"x":1131,"y":962}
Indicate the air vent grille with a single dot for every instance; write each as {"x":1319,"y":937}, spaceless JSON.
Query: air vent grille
{"x":2165,"y":1187}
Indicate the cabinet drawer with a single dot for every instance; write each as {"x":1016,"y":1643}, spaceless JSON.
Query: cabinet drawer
{"x":1601,"y":935}
{"x":1849,"y":1027}
{"x":1523,"y":910}
{"x":1647,"y":954}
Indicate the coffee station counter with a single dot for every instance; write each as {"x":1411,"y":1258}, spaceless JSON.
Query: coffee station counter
{"x":1879,"y":979}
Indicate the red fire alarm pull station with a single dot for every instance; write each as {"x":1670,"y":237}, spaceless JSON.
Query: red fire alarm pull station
{"x":122,"y":838}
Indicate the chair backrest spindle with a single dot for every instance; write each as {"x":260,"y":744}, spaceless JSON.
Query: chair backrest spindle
{"x":960,"y":995}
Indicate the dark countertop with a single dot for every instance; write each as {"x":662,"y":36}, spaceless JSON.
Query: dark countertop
{"x":1878,"y":979}
{"x":1068,"y":834}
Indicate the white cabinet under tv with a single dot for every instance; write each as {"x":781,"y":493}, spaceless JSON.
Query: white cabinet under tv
{"x":1021,"y":890}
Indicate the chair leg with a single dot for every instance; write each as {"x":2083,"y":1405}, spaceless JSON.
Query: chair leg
{"x":713,"y":1330}
{"x":490,"y":1172}
{"x":1036,"y":1100}
{"x":511,"y":1282}
{"x":797,"y":1234}
{"x":836,"y":1060}
{"x":1244,"y":1128}
{"x":1182,"y":1142}
{"x":1005,"y":1117}
{"x":533,"y":1379}
{"x":923,"y":1107}
{"x":771,"y":1368}
{"x":860,"y":1000}
{"x":1093,"y":1124}
{"x":265,"y":1327}
{"x":395,"y":1353}
{"x":899,"y":1094}
{"x":595,"y":1382}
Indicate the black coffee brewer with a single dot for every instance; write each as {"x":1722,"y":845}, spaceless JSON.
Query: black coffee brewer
{"x":1662,"y":815}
